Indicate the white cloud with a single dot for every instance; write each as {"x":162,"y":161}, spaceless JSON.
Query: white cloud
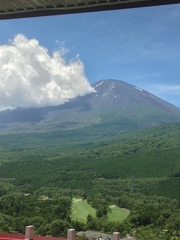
{"x":30,"y":76}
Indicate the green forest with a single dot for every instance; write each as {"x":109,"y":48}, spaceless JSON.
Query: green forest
{"x":41,"y":173}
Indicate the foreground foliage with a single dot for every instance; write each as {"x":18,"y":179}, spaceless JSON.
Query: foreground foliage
{"x":139,"y":171}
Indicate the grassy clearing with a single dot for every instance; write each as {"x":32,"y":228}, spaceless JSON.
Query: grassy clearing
{"x":80,"y":210}
{"x":117,"y":214}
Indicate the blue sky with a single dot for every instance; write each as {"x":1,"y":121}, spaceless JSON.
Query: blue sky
{"x":140,"y":46}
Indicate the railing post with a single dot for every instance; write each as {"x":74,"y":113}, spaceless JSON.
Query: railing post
{"x":29,"y":233}
{"x":71,"y":234}
{"x":116,"y":236}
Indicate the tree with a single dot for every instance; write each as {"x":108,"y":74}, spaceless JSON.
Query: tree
{"x":101,"y":211}
{"x":58,"y":228}
{"x":173,"y":223}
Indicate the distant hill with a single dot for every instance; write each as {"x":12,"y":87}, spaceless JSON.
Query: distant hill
{"x":114,"y":107}
{"x":150,"y":156}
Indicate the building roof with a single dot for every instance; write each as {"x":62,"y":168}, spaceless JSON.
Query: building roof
{"x":91,"y":234}
{"x":7,"y":236}
{"x":33,"y":8}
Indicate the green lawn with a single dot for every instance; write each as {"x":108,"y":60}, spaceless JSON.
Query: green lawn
{"x":117,"y":214}
{"x":80,"y":210}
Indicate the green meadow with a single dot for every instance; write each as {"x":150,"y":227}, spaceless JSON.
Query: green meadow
{"x":81,"y":209}
{"x":117,"y":214}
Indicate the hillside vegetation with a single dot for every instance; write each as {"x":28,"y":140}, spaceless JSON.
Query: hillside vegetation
{"x":139,"y":171}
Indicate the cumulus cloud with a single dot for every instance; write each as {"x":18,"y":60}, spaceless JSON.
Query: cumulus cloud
{"x":30,"y":76}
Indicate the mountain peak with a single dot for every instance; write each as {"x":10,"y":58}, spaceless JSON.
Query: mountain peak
{"x":114,"y":104}
{"x":127,"y":95}
{"x":112,"y":85}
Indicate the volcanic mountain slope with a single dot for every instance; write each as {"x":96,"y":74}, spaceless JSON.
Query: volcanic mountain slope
{"x":114,"y":104}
